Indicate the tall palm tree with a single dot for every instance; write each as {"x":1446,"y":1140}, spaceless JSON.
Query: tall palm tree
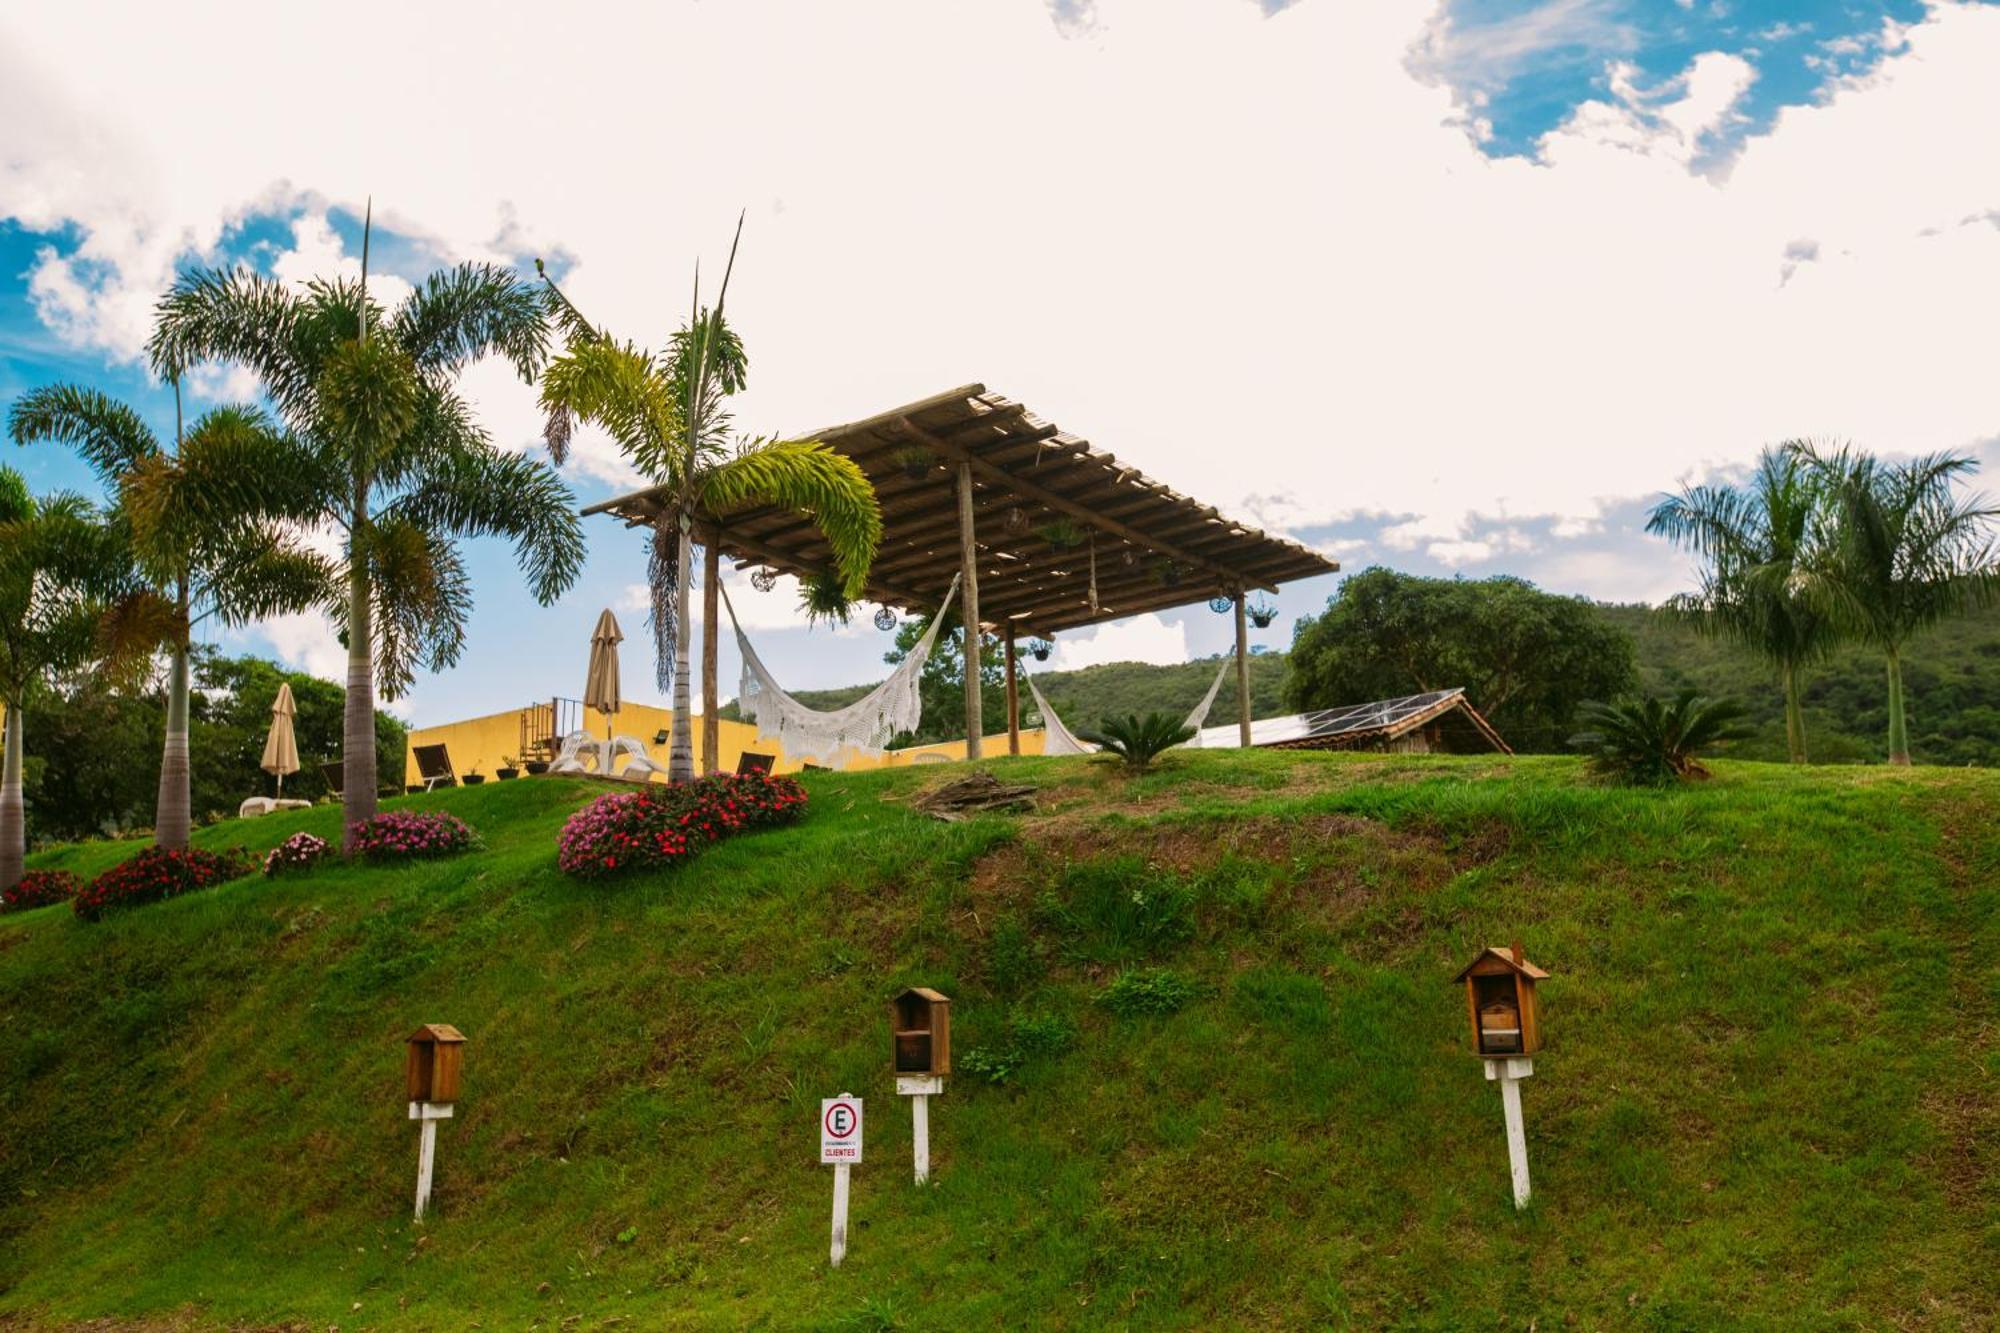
{"x":199,"y":535}
{"x":1758,"y":544}
{"x":1908,"y":549}
{"x":60,"y":568}
{"x":382,"y":449}
{"x":668,"y":413}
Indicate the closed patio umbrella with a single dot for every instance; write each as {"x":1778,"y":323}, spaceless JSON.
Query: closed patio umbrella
{"x":600,"y":691}
{"x":281,"y":750}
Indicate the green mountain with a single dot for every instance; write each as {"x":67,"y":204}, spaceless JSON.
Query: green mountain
{"x":1211,"y":1069}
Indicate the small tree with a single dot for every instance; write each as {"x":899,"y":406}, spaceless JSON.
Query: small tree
{"x":1139,"y":740}
{"x":1650,"y":743}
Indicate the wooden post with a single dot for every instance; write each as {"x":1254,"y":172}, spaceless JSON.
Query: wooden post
{"x":428,"y":1114}
{"x":968,"y":557}
{"x":711,"y":585}
{"x":1013,"y":696}
{"x":1242,"y":673}
{"x":838,"y":1250}
{"x":920,"y":1089}
{"x":1509,"y":1073}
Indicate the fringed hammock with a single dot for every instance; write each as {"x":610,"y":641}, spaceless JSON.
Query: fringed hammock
{"x":864,"y":726}
{"x":1059,"y":739}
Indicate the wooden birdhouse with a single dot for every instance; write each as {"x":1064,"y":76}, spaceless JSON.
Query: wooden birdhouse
{"x":436,"y":1057}
{"x":1500,"y":1001}
{"x":920,"y":1024}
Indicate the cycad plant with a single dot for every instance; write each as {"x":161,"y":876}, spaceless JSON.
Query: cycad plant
{"x":201,"y":539}
{"x":1139,"y":740}
{"x":668,"y":412}
{"x":382,"y":450}
{"x":61,"y":569}
{"x":1651,"y":742}
{"x":1759,"y":544}
{"x":1907,"y":549}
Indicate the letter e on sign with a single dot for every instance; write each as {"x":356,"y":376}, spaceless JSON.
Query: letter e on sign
{"x":840,"y":1131}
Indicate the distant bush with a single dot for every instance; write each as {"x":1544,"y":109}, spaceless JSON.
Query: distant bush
{"x":1139,"y":740}
{"x":296,"y":853}
{"x":658,"y":826}
{"x":1030,"y":1038}
{"x":408,"y":835}
{"x":1152,"y":990}
{"x":39,"y":888}
{"x":1650,"y":742}
{"x":157,"y":874}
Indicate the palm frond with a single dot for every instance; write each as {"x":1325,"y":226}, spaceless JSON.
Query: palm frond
{"x":483,"y":492}
{"x":422,"y":595}
{"x":808,"y":478}
{"x":460,"y":314}
{"x":618,"y":387}
{"x":241,"y":316}
{"x":109,"y":436}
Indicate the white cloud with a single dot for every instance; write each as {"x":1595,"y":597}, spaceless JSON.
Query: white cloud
{"x":1144,"y":638}
{"x":307,"y":641}
{"x":1437,"y":334}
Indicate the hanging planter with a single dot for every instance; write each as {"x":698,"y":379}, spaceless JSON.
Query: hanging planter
{"x":1167,"y":573}
{"x":885,"y":619}
{"x":1261,"y":614}
{"x":1129,"y":558}
{"x":914,"y":462}
{"x":1221,"y":605}
{"x":763,"y":580}
{"x":822,"y":597}
{"x":1061,"y":534}
{"x":1017,"y":519}
{"x":1039,"y":649}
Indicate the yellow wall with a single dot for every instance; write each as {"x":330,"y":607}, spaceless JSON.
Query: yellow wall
{"x":480,"y":744}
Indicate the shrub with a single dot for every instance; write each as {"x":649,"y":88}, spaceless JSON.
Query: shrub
{"x":1139,"y":740}
{"x":1117,"y":909}
{"x":156,"y":874}
{"x":408,"y":835}
{"x":654,"y":827}
{"x":39,"y":888}
{"x":296,"y":853}
{"x":1030,"y":1038}
{"x":1155,"y":990}
{"x":1652,"y":743}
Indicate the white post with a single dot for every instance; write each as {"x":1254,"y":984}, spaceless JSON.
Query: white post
{"x":1509,"y":1073}
{"x":839,"y":1250}
{"x":920,"y":1089}
{"x":429,"y":1113}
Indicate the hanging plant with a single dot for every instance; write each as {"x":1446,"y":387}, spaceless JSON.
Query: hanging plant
{"x":1061,"y":534}
{"x":914,"y":461}
{"x":885,"y":619}
{"x":1167,"y":573}
{"x":763,"y":580}
{"x":822,"y":597}
{"x":1221,"y":605}
{"x":1129,"y":558}
{"x":1039,"y":649}
{"x":1261,"y":614}
{"x":1017,"y":519}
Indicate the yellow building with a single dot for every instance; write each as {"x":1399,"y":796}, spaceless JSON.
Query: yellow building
{"x":486,"y":744}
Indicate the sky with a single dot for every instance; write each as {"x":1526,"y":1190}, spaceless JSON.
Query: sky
{"x":1457,"y":287}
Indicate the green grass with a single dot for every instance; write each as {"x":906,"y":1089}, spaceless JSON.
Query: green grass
{"x":1767,"y":1098}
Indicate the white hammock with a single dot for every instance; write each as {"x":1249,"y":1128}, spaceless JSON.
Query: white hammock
{"x":866,"y":725}
{"x":1059,"y":739}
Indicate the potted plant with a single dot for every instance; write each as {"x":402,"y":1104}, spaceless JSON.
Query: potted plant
{"x":472,"y":777}
{"x":1261,"y":614}
{"x":1061,"y":534}
{"x":508,"y":769}
{"x":823,"y":598}
{"x":536,"y":766}
{"x":1039,"y":649}
{"x":914,"y":461}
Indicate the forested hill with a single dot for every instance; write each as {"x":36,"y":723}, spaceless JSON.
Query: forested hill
{"x":1952,"y":674}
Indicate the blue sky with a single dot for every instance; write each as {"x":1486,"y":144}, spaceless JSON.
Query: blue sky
{"x":1503,"y":271}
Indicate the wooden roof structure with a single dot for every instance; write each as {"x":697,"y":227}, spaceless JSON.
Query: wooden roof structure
{"x":1367,"y":726}
{"x":1151,"y":547}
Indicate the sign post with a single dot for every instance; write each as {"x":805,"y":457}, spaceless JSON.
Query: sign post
{"x":1509,"y":1073}
{"x":840,"y":1147}
{"x":429,"y":1113}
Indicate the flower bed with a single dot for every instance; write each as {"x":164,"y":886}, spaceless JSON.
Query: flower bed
{"x":155,"y":874}
{"x":408,"y":835}
{"x":296,"y":853}
{"x":658,"y":826}
{"x":39,"y":888}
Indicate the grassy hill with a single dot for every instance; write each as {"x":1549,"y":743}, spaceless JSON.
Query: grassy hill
{"x":1766,"y":1099}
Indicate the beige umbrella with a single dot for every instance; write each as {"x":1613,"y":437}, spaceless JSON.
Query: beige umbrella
{"x":281,"y":749}
{"x":600,"y":690}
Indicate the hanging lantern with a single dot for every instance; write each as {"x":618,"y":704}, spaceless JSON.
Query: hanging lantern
{"x":1130,"y":558}
{"x":765,"y":579}
{"x":1220,"y":604}
{"x":885,"y":619}
{"x":1017,"y":519}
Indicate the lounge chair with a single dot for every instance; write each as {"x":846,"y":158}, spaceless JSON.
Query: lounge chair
{"x":752,"y":762}
{"x":434,"y":766}
{"x":335,"y":774}
{"x":639,"y":766}
{"x":931,"y":757}
{"x":579,"y":746}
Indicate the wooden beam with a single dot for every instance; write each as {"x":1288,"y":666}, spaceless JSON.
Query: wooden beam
{"x":711,"y":587}
{"x":1013,"y":697}
{"x":968,"y":555}
{"x":1242,"y":673}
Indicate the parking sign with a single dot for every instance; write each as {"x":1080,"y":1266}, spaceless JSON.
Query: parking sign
{"x":840,"y":1131}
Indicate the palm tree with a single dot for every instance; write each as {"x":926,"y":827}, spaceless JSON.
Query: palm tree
{"x":382,"y":449}
{"x":1907,"y":550}
{"x":1758,"y":544}
{"x":667,"y":412}
{"x":1652,"y":742}
{"x":60,"y":567}
{"x":198,"y":533}
{"x":1139,"y":740}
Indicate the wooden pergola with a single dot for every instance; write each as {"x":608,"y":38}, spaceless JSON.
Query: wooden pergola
{"x":974,"y":485}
